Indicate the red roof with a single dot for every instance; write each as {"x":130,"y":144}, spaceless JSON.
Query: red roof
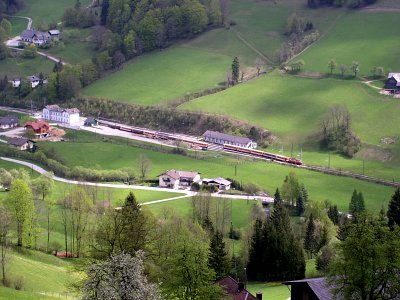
{"x":36,"y":125}
{"x":231,"y":287}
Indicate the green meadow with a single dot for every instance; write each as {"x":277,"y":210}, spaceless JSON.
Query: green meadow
{"x":370,"y":38}
{"x":267,"y":175}
{"x":161,"y":76}
{"x":14,"y":67}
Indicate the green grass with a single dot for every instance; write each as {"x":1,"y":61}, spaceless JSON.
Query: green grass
{"x":18,"y":25}
{"x":270,"y":290}
{"x":14,"y":67}
{"x":41,"y":272}
{"x":366,"y":37}
{"x":47,"y":10}
{"x":266,"y":175}
{"x":161,"y":76}
{"x":10,"y":293}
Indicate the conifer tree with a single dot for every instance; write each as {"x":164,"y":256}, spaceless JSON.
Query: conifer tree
{"x":254,"y":268}
{"x":309,"y":239}
{"x":218,"y":257}
{"x":357,"y":204}
{"x":235,"y":70}
{"x":277,"y":197}
{"x":304,"y":192}
{"x":300,"y":205}
{"x":393,"y":212}
{"x":333,"y":214}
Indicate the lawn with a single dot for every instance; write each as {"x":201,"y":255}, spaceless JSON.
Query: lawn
{"x":47,"y":10}
{"x":10,"y":293}
{"x":369,"y":38}
{"x":266,"y":175}
{"x":15,"y":67}
{"x":161,"y":76}
{"x":18,"y":25}
{"x":270,"y":290}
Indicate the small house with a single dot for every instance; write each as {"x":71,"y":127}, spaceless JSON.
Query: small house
{"x":40,"y":129}
{"x":21,"y":143}
{"x":54,"y":34}
{"x":8,"y":122}
{"x":228,"y":139}
{"x":237,"y":290}
{"x":35,"y":37}
{"x":62,"y":115}
{"x":311,"y":289}
{"x":221,"y":183}
{"x":35,"y":80}
{"x":90,"y":121}
{"x":16,"y":82}
{"x":178,"y":179}
{"x":392,"y":83}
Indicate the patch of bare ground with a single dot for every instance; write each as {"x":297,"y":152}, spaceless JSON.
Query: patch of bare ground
{"x":311,"y":74}
{"x":373,"y":152}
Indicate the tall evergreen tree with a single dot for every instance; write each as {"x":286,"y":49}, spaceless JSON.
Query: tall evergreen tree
{"x":235,"y":70}
{"x":333,"y":214}
{"x":304,"y":192}
{"x":254,"y":268}
{"x":277,"y":197}
{"x":218,"y":257}
{"x":357,"y":204}
{"x":300,"y":205}
{"x":309,"y":239}
{"x":393,"y":212}
{"x":104,"y":12}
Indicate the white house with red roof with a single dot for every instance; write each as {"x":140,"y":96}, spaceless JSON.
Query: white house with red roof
{"x":174,"y":179}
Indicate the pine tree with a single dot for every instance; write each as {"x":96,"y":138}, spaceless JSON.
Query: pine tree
{"x":104,"y":12}
{"x":300,"y":205}
{"x":333,"y":214}
{"x":277,"y":197}
{"x":235,"y":70}
{"x":254,"y":267}
{"x":357,"y":204}
{"x":218,"y":259}
{"x":361,"y":203}
{"x":309,"y":239}
{"x":393,"y":212}
{"x":304,"y":192}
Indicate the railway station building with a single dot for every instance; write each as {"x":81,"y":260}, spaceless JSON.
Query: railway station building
{"x":223,"y":138}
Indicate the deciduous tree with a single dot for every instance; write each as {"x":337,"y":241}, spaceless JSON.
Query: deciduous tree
{"x":332,"y":65}
{"x":235,"y":70}
{"x":5,"y":223}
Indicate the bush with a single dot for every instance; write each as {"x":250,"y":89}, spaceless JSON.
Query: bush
{"x":19,"y":283}
{"x":6,"y":282}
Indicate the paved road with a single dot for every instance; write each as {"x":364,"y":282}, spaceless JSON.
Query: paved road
{"x":29,"y":26}
{"x":186,"y":193}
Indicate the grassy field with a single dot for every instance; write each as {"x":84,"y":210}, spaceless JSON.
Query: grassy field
{"x":15,"y":67}
{"x":369,"y":38}
{"x":42,"y":275}
{"x":266,"y":175}
{"x":161,"y":76}
{"x":270,"y":290}
{"x":18,"y":25}
{"x":47,"y":10}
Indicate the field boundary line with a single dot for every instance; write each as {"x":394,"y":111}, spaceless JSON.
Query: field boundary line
{"x":250,"y":46}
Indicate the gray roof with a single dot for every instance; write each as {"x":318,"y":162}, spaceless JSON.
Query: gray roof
{"x":226,"y":137}
{"x":55,"y":107}
{"x":218,"y":180}
{"x":33,"y":78}
{"x":396,"y":76}
{"x":18,"y":141}
{"x":318,"y":285}
{"x":90,"y":120}
{"x":9,"y":120}
{"x":54,"y":32}
{"x":30,"y":33}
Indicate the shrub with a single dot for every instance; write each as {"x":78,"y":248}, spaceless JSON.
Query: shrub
{"x":19,"y":283}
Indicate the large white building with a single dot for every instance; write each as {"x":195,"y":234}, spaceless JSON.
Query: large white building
{"x":61,"y":115}
{"x":228,"y":139}
{"x":178,"y":179}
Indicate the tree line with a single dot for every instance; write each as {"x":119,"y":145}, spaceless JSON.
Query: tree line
{"x":340,"y":3}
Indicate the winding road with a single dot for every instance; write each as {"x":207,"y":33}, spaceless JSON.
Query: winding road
{"x":186,"y":193}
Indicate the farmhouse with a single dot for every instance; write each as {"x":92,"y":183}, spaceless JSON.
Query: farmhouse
{"x":236,"y":290}
{"x":392,"y":83}
{"x":8,"y":122}
{"x":39,"y":128}
{"x":311,"y":289}
{"x":62,"y":115}
{"x":219,"y":182}
{"x":35,"y":80}
{"x":21,"y":143}
{"x":223,"y":138}
{"x":175,"y":179}
{"x":16,"y":82}
{"x":35,"y":37}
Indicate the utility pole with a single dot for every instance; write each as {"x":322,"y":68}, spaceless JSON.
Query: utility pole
{"x":329,"y":160}
{"x":291,"y":153}
{"x":235,"y":169}
{"x":301,"y":153}
{"x":363,"y":167}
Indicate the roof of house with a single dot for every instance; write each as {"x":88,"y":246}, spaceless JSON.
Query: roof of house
{"x":8,"y":120}
{"x":218,"y":180}
{"x":18,"y":141}
{"x":54,"y":32}
{"x":226,"y":137}
{"x":55,"y":107}
{"x":231,"y":287}
{"x":396,"y":76}
{"x":179,"y":174}
{"x":36,"y":125}
{"x":30,"y":33}
{"x":33,"y":78}
{"x":318,"y":285}
{"x":90,"y":120}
